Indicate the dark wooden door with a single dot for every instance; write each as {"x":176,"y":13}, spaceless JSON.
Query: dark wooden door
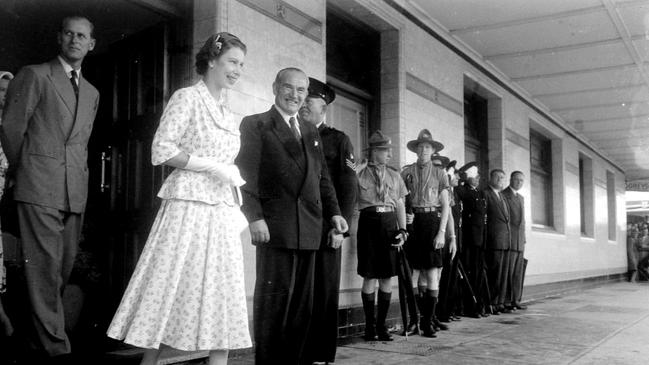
{"x":134,"y":84}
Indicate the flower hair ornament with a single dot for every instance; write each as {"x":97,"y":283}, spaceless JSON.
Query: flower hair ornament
{"x":218,"y":44}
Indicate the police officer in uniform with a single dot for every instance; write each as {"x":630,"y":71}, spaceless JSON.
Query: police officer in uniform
{"x":381,"y":231}
{"x":339,"y":154}
{"x":429,"y":203}
{"x":474,"y":216}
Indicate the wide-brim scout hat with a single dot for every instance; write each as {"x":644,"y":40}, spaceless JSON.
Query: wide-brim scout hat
{"x":452,"y":164}
{"x":319,"y":89}
{"x":424,"y":137}
{"x":439,"y":160}
{"x":469,"y":170}
{"x":451,"y":168}
{"x":378,"y":140}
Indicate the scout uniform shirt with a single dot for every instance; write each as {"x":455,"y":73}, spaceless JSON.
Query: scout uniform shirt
{"x":379,"y":185}
{"x":425,"y":183}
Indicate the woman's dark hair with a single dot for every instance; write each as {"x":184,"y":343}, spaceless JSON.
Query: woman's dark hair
{"x":214,"y":47}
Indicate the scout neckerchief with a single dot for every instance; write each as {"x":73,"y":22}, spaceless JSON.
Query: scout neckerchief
{"x":378,"y":172}
{"x":422,"y":174}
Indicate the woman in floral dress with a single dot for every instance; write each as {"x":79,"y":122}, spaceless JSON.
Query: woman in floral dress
{"x":187,"y":291}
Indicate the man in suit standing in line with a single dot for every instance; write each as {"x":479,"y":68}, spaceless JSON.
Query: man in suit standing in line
{"x":339,"y":153}
{"x":516,"y":205}
{"x":46,"y":125}
{"x":498,"y":241}
{"x":287,"y":195}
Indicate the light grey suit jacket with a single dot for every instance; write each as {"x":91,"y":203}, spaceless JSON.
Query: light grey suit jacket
{"x":45,"y":135}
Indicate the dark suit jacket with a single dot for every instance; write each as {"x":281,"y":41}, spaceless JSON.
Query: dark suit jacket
{"x":516,"y":205}
{"x":498,"y":237}
{"x":474,"y":211}
{"x":287,"y":184}
{"x":45,"y":136}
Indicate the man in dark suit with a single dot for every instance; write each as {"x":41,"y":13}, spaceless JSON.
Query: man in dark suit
{"x":498,"y":241}
{"x":339,"y":154}
{"x":46,"y":125}
{"x":287,"y":195}
{"x":474,"y":215}
{"x":516,"y":205}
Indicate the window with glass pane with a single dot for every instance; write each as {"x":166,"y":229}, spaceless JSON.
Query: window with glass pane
{"x":612,"y":211}
{"x":541,"y":179}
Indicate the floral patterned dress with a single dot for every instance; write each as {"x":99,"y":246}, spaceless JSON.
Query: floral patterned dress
{"x":187,"y":290}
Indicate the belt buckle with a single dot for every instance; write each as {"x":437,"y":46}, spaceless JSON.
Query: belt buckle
{"x":381,"y":209}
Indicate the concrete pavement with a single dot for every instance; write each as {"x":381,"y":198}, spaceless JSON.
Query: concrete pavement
{"x":603,"y":325}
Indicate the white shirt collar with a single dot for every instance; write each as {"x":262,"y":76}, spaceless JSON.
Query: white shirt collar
{"x":286,"y":117}
{"x":495,"y":191}
{"x":67,"y":69}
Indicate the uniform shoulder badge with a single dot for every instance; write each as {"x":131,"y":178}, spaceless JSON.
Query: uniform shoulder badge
{"x":350,"y":162}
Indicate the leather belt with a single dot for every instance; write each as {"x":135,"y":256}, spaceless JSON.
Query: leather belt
{"x":379,"y":209}
{"x":423,"y":209}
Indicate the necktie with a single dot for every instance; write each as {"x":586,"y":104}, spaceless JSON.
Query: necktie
{"x":296,"y":132}
{"x":504,"y":204}
{"x":73,"y":81}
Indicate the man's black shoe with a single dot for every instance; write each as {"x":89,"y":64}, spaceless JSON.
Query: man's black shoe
{"x":411,"y":329}
{"x":439,"y":326}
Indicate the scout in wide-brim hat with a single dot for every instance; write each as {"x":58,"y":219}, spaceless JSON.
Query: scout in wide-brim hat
{"x":319,"y":89}
{"x":439,"y":160}
{"x":424,"y":137}
{"x":451,"y":165}
{"x":378,"y":140}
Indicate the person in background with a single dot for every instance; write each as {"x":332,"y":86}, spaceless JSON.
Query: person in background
{"x":516,"y":206}
{"x":429,"y":203}
{"x":187,"y":291}
{"x":5,"y":78}
{"x":47,"y":121}
{"x":5,"y":323}
{"x":339,"y":154}
{"x":474,"y":217}
{"x":631,"y":252}
{"x":449,"y":289}
{"x":498,"y":242}
{"x":643,"y":254}
{"x":381,"y":231}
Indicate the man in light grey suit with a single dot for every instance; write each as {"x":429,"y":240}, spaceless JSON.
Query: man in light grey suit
{"x":516,"y":205}
{"x":47,"y":121}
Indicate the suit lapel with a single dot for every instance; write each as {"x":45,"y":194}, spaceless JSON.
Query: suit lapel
{"x":62,"y":85}
{"x":500,"y":203}
{"x":286,"y":137}
{"x":516,"y":201}
{"x":84,"y":107}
